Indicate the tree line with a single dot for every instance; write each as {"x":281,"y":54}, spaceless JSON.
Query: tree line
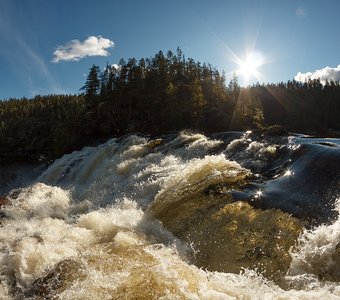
{"x":161,"y":94}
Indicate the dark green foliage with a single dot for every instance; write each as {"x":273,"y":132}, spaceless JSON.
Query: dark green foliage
{"x":44,"y":125}
{"x":157,"y":95}
{"x":92,"y":85}
{"x":276,"y":130}
{"x":167,"y":92}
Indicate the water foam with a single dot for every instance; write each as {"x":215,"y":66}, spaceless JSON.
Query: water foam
{"x":318,"y":252}
{"x":94,"y":238}
{"x":39,"y":201}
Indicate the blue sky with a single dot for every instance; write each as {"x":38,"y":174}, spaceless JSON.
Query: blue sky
{"x":48,"y":45}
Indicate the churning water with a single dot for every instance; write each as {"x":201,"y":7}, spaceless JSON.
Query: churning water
{"x":183,"y":216}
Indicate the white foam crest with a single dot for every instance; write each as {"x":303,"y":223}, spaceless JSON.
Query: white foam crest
{"x":237,"y":144}
{"x":252,"y":286}
{"x":30,"y":244}
{"x":107,"y":222}
{"x":135,"y":151}
{"x":203,"y":144}
{"x":185,"y":137}
{"x":217,"y":285}
{"x":39,"y":201}
{"x":250,"y":154}
{"x":113,"y":222}
{"x":197,"y":170}
{"x":254,"y":147}
{"x":99,"y":174}
{"x":30,"y":247}
{"x":126,"y":166}
{"x":317,"y":251}
{"x":131,"y":168}
{"x":176,"y":279}
{"x":197,"y":143}
{"x":151,"y":174}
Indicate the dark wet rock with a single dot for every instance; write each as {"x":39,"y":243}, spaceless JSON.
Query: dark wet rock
{"x":4,"y":201}
{"x":276,"y":130}
{"x":57,"y":279}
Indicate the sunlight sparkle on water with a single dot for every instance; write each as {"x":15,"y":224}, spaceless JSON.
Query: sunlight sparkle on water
{"x":288,"y":173}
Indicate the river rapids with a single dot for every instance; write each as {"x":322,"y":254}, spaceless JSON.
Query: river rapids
{"x":183,"y":216}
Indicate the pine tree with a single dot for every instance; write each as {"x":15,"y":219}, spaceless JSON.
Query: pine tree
{"x":92,"y":85}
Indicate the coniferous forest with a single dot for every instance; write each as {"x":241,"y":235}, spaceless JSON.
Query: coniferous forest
{"x":157,"y":95}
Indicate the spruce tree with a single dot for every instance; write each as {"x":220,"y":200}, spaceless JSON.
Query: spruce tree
{"x":92,"y":85}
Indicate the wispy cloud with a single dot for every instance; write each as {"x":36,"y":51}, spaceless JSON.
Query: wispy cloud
{"x":76,"y":50}
{"x":23,"y":59}
{"x":323,"y":74}
{"x":37,"y":68}
{"x":301,"y":12}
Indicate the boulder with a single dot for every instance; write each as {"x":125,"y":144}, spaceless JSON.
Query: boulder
{"x":3,"y":201}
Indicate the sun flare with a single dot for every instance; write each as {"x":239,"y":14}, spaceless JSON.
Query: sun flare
{"x":249,"y":65}
{"x":248,"y":68}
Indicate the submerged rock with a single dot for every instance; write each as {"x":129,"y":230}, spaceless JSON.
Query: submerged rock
{"x":226,"y":235}
{"x":229,"y":237}
{"x":57,"y":279}
{"x":3,"y":201}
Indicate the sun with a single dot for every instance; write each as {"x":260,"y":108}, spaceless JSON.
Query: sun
{"x":248,"y":67}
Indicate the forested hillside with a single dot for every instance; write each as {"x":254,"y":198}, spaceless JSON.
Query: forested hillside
{"x":164,"y":93}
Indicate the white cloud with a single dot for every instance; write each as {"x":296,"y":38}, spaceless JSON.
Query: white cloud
{"x":301,"y":12}
{"x":116,"y":67}
{"x":323,"y":74}
{"x":76,"y":50}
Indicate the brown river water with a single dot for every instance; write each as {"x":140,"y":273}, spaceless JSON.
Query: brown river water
{"x":183,"y":216}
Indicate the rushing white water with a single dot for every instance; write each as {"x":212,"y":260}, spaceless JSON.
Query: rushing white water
{"x":86,"y":229}
{"x":318,"y":252}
